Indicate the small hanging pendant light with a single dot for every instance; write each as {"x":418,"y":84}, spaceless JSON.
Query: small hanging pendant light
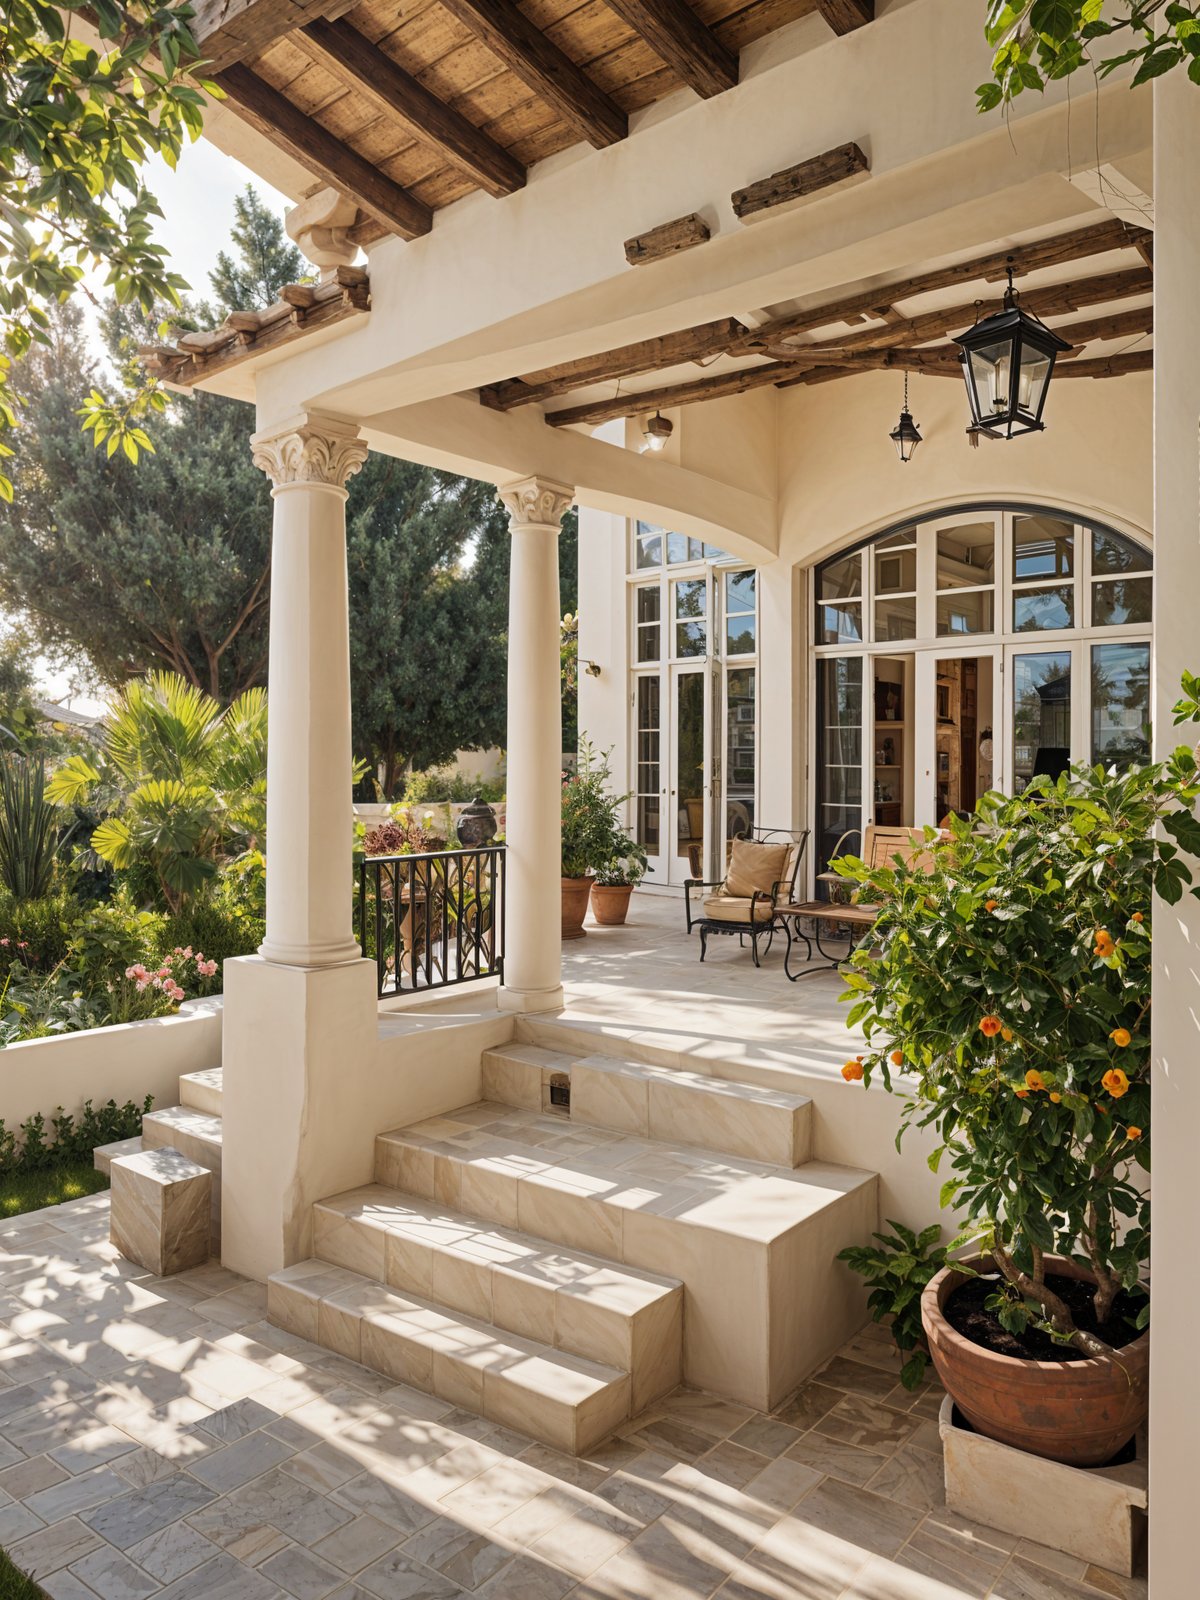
{"x":905,"y":435}
{"x":656,"y":431}
{"x":1007,"y":360}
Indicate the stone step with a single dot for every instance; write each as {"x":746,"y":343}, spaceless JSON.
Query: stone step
{"x":562,"y":1400}
{"x":657,"y":1102}
{"x":765,"y":1301}
{"x":566,"y":1298}
{"x":104,"y":1155}
{"x":197,"y":1135}
{"x":202,"y":1091}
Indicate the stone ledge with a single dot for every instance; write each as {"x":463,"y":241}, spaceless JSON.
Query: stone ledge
{"x":161,"y":1204}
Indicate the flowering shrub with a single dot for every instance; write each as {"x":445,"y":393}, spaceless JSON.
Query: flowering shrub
{"x":142,"y":993}
{"x":1011,"y":984}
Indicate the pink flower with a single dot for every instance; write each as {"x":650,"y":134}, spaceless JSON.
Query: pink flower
{"x":22,"y":944}
{"x":165,"y":971}
{"x":3,"y":941}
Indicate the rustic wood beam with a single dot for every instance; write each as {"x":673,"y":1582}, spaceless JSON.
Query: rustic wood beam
{"x":667,"y":239}
{"x":675,"y":33}
{"x":1107,"y":366}
{"x":277,"y":119}
{"x":806,"y":177}
{"x":404,"y":99}
{"x":1117,"y":325}
{"x":545,"y":69}
{"x":650,"y":355}
{"x":843,"y":16}
{"x":230,"y":30}
{"x":680,"y":394}
{"x":1145,"y":246}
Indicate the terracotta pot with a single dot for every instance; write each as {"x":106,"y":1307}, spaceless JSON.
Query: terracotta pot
{"x":1080,"y":1412}
{"x":575,"y":893}
{"x":610,"y":903}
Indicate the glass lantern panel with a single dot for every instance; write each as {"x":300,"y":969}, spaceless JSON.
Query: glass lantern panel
{"x":1031,"y":385}
{"x":990,"y":373}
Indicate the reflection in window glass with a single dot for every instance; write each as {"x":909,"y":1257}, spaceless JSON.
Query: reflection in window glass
{"x":740,"y":624}
{"x":1121,"y":600}
{"x":966,"y":555}
{"x":840,"y":580}
{"x":681,"y":548}
{"x":1120,"y":704}
{"x":895,"y":571}
{"x":969,"y":611}
{"x":1112,"y":553}
{"x":839,"y":752}
{"x":839,"y":624}
{"x":649,"y":611}
{"x":1038,"y":609}
{"x":896,"y":619}
{"x":1041,"y":716}
{"x":649,"y":545}
{"x":739,"y":752}
{"x":647,"y":761}
{"x":1043,"y":547}
{"x":740,"y":590}
{"x":691,"y":602}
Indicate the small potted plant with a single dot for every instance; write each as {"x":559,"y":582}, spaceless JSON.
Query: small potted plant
{"x":616,"y":879}
{"x":1010,"y":986}
{"x":588,"y":824}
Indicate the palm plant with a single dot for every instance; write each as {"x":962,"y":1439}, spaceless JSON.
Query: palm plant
{"x":26,"y":828}
{"x":181,"y":782}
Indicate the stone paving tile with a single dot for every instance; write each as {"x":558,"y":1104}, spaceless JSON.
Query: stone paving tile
{"x":114,"y":1576}
{"x":302,"y":1573}
{"x":174,"y":1551}
{"x":51,"y":1548}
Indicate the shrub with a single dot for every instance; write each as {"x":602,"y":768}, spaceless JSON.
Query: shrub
{"x":899,"y":1267}
{"x":37,"y":932}
{"x":216,"y":931}
{"x":589,"y":815}
{"x":26,"y":829}
{"x":70,"y":1139}
{"x":37,"y":1006}
{"x":402,"y":836}
{"x":439,"y":785}
{"x":108,"y":939}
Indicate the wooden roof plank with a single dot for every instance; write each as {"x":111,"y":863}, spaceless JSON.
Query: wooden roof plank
{"x":544,"y":68}
{"x":277,"y":119}
{"x":844,"y":16}
{"x":679,"y":394}
{"x":689,"y":47}
{"x":398,"y":94}
{"x":230,"y":30}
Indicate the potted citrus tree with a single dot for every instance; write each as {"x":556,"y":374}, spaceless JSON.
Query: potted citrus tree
{"x":617,"y":878}
{"x":589,"y":815}
{"x":1008,"y":999}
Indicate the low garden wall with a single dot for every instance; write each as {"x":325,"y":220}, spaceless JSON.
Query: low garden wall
{"x":125,"y":1061}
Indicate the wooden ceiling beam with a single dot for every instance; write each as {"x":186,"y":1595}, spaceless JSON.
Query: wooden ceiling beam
{"x":229,"y":30}
{"x":403,"y":99}
{"x":680,"y":394}
{"x":1116,"y":325}
{"x":543,"y":68}
{"x":688,"y":46}
{"x":844,"y":16}
{"x":1107,"y":366}
{"x":277,"y":119}
{"x":668,"y":239}
{"x":650,"y":355}
{"x":805,"y":178}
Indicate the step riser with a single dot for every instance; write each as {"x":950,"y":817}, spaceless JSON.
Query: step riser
{"x":205,"y":1151}
{"x":456,"y":1365}
{"x":201,"y":1091}
{"x":647,"y":1342}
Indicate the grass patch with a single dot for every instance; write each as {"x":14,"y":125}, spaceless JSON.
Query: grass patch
{"x":30,"y":1191}
{"x":14,"y":1585}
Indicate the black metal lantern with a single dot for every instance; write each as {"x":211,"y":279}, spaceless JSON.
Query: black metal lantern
{"x":905,"y":435}
{"x":1007,"y":360}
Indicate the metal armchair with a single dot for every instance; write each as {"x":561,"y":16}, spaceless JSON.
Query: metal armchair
{"x":762,"y":874}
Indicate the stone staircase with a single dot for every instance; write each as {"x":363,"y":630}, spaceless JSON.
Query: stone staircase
{"x":560,"y":1254}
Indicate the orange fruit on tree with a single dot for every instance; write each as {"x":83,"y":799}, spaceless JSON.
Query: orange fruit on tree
{"x":852,"y":1071}
{"x":897,"y":1058}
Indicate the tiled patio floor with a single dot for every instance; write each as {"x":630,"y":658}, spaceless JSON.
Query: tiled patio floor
{"x":157,"y":1437}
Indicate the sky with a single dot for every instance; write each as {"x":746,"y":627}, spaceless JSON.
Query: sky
{"x":197,"y":205}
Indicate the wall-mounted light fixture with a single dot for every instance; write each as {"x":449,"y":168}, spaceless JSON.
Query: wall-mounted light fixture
{"x":592,"y":668}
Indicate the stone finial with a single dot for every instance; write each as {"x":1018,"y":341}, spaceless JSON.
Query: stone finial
{"x":536,"y":502}
{"x":309,"y":450}
{"x":319,"y":227}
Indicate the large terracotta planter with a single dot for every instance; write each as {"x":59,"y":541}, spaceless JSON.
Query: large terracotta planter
{"x":610,"y":903}
{"x":1080,"y":1412}
{"x":575,"y":893}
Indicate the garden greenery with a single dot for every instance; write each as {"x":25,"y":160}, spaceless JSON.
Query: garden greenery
{"x":34,"y":1148}
{"x":589,"y":813}
{"x":1011,"y":986}
{"x":899,"y":1266}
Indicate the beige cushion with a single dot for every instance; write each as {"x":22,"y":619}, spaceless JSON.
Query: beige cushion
{"x":722,"y":907}
{"x":754,"y":867}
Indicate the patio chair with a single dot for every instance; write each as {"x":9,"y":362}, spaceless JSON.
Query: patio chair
{"x":880,"y":846}
{"x":760,"y":877}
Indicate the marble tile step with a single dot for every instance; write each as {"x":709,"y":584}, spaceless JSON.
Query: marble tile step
{"x":656,"y":1102}
{"x":755,"y":1244}
{"x":566,"y":1298}
{"x":562,"y":1400}
{"x":104,"y":1155}
{"x":201,"y":1091}
{"x":195,"y":1134}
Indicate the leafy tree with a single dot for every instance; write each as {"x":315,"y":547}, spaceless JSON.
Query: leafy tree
{"x":266,"y":260}
{"x":1036,"y":41}
{"x":77,"y":124}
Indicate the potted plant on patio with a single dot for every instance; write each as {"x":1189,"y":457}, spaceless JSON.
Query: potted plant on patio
{"x":589,"y":814}
{"x":1008,"y":998}
{"x":617,"y":878}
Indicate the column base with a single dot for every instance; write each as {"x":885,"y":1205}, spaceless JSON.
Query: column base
{"x":310,"y":956}
{"x":530,"y":1000}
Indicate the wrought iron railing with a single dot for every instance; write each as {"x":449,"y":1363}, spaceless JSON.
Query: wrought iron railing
{"x":434,"y":919}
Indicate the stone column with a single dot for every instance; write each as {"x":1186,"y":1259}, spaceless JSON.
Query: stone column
{"x":533,"y":915}
{"x":309,"y":806}
{"x":1175,"y":1090}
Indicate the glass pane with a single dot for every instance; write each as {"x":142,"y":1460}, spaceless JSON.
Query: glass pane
{"x":896,"y":619}
{"x":689,"y":760}
{"x":840,"y":580}
{"x":1041,"y":716}
{"x":691,"y":600}
{"x":739,"y":753}
{"x":739,"y":591}
{"x":649,"y":603}
{"x":1035,"y":369}
{"x":964,"y":612}
{"x":839,"y":624}
{"x":1043,"y":547}
{"x":741,"y":636}
{"x":691,"y":638}
{"x":966,"y":555}
{"x":649,"y":609}
{"x":681,"y":548}
{"x":648,"y":643}
{"x":895,"y":571}
{"x":990,"y":368}
{"x":649,"y":545}
{"x":897,"y":541}
{"x":1112,"y":553}
{"x":1120,"y":704}
{"x":1035,"y":609}
{"x":839,"y":752}
{"x":1119,"y":600}
{"x":647,"y":780}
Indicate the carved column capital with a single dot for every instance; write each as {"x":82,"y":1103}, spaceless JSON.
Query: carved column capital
{"x":536,"y":502}
{"x":309,"y":451}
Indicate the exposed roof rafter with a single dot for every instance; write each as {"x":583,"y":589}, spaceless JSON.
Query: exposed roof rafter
{"x":690,"y":48}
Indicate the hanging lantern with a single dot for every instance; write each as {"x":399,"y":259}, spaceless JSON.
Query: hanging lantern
{"x":1007,"y":360}
{"x":656,"y":431}
{"x":905,"y":435}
